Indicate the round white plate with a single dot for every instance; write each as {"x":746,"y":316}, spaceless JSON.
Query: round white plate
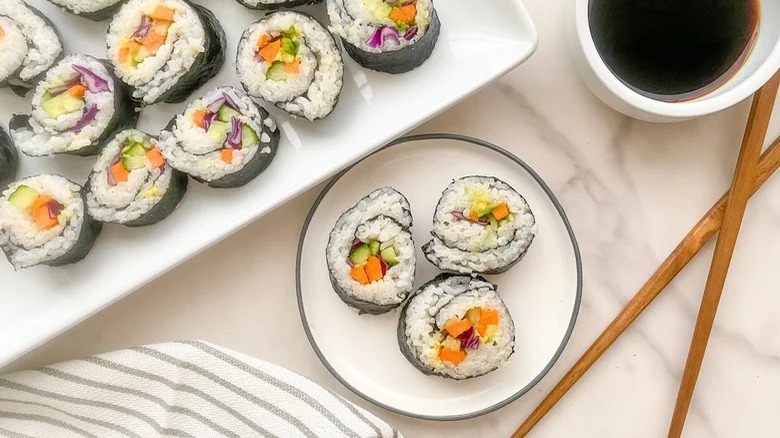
{"x":542,"y":292}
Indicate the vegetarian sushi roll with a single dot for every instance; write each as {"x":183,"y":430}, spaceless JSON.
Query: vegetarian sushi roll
{"x":456,"y":327}
{"x":165,"y":49}
{"x":131,"y":184}
{"x":29,"y":45}
{"x":371,"y":254}
{"x":289,"y":59}
{"x":44,"y":221}
{"x":391,"y":37}
{"x":223,"y":139}
{"x":75,"y":108}
{"x":275,"y":4}
{"x":95,"y":10}
{"x":481,"y":226}
{"x":9,"y":159}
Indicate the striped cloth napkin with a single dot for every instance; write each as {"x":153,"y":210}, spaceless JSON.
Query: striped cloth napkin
{"x":183,"y":389}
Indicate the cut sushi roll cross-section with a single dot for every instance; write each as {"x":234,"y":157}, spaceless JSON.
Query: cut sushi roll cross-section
{"x":456,"y":327}
{"x":289,"y":59}
{"x":43,"y":220}
{"x":29,"y":45}
{"x":371,"y":254}
{"x":77,"y":106}
{"x":387,"y":36}
{"x":223,"y":139}
{"x":165,"y":49}
{"x":481,"y":226}
{"x":131,"y":183}
{"x":93,"y":9}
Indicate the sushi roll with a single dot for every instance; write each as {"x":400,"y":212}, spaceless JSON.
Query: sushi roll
{"x":289,"y":59}
{"x":44,"y":221}
{"x":131,"y":184}
{"x":96,"y":10}
{"x":165,"y":49}
{"x":371,"y":254}
{"x":276,"y":4}
{"x":29,"y":44}
{"x":9,"y":159}
{"x":384,"y":36}
{"x":456,"y":326}
{"x":481,"y":226}
{"x":75,"y":108}
{"x":223,"y":139}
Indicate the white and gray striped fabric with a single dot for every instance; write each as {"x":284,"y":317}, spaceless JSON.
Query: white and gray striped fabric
{"x":182,"y":389}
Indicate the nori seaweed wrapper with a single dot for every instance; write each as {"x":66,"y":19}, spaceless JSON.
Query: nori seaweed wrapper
{"x":125,"y":116}
{"x":9,"y":159}
{"x":99,"y":15}
{"x":402,"y":60}
{"x":280,"y":5}
{"x":14,"y":82}
{"x":206,"y":65}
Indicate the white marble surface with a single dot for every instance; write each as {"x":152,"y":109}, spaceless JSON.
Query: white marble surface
{"x":631,"y":189}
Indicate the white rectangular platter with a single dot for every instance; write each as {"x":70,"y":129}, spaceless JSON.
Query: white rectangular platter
{"x":479,"y":42}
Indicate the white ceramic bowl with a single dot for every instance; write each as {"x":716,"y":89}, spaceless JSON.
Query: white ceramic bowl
{"x":761,"y":64}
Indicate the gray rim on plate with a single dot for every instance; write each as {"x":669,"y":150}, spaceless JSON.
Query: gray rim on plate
{"x":558,"y":207}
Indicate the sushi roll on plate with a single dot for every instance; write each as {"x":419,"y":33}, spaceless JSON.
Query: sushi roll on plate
{"x":95,"y":10}
{"x":29,"y":45}
{"x":289,"y":59}
{"x":9,"y":159}
{"x":481,"y":226}
{"x":276,"y":4}
{"x":44,"y":221}
{"x":383,"y":36}
{"x":75,"y":108}
{"x":223,"y":139}
{"x":165,"y":49}
{"x":456,"y":326}
{"x":371,"y":254}
{"x":132,"y":184}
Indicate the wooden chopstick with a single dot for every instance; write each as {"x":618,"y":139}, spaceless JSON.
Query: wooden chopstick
{"x":690,"y":245}
{"x":741,"y":188}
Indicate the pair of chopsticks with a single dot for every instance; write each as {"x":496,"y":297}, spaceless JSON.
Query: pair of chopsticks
{"x":752,"y":170}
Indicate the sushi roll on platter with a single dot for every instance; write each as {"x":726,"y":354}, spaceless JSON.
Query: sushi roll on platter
{"x":96,"y":10}
{"x":456,"y":326}
{"x":223,"y":139}
{"x":44,"y":221}
{"x":75,"y":108}
{"x":29,"y":45}
{"x":289,"y":59}
{"x":481,"y":226}
{"x":132,"y":184}
{"x":371,"y":254}
{"x":384,"y":36}
{"x":165,"y":49}
{"x":9,"y":159}
{"x":276,"y":4}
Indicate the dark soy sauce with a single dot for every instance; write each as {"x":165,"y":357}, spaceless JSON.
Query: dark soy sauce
{"x":673,"y":50}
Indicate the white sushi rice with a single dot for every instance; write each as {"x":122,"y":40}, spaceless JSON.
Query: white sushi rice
{"x":188,"y":148}
{"x":157,"y":74}
{"x":23,"y":243}
{"x":43,"y":45}
{"x":13,"y":46}
{"x":428,"y":312}
{"x":85,"y":6}
{"x":352,"y":21}
{"x":53,"y":135}
{"x":125,"y":201}
{"x":382,"y":215}
{"x":313,"y":92}
{"x":467,"y":247}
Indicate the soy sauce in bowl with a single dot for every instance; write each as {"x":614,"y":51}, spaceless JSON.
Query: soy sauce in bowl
{"x":673,"y":50}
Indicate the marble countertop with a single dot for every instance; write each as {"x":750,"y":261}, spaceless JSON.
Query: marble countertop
{"x":631,"y":189}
